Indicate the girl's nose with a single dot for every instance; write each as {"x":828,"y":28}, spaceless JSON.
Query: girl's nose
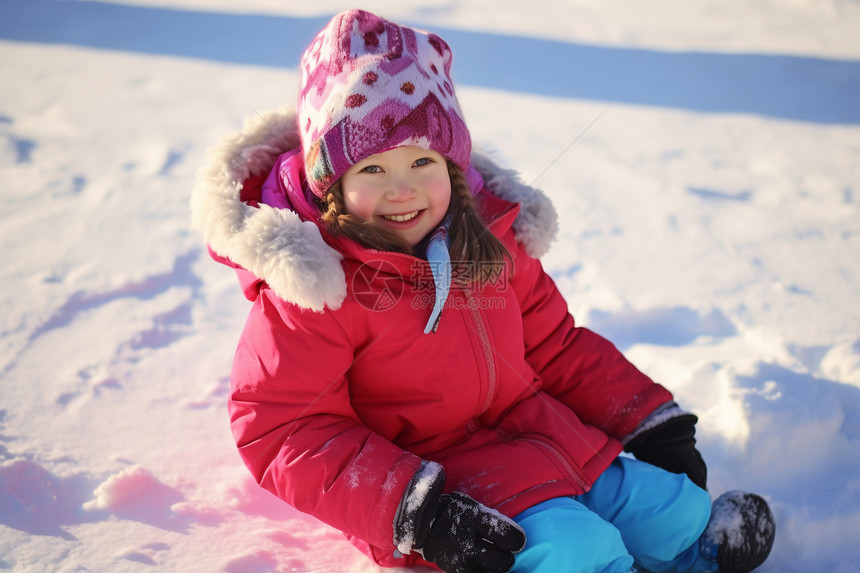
{"x":401,"y":189}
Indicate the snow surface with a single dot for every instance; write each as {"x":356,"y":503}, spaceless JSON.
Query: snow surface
{"x":710,"y":226}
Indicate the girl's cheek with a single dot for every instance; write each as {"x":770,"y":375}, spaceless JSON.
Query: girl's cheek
{"x":358,"y":204}
{"x":442,"y":195}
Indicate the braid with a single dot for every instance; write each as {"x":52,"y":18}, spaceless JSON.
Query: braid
{"x":476,"y":253}
{"x":461,"y":205}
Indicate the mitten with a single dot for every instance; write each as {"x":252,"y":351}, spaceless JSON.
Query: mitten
{"x":671,"y":445}
{"x":740,"y":533}
{"x":454,"y":531}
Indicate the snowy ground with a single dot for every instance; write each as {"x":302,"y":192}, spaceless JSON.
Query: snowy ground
{"x":710,"y":227}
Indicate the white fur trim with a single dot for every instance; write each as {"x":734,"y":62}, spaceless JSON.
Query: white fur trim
{"x":274,"y":244}
{"x":290,"y":254}
{"x":537,"y":223}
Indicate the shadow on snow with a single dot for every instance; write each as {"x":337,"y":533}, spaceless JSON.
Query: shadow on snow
{"x":780,"y":86}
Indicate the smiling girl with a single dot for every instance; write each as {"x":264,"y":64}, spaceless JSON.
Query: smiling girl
{"x":394,"y":200}
{"x":467,"y":436}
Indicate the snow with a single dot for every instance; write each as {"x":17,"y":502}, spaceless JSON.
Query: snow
{"x":703,"y":158}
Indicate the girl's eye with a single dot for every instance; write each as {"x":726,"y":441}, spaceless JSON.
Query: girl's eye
{"x":422,"y":162}
{"x":372,"y":169}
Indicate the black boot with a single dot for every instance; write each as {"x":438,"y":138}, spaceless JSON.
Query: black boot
{"x":740,"y":533}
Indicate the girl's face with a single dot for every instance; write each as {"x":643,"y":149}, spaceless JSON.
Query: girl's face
{"x":406,"y":189}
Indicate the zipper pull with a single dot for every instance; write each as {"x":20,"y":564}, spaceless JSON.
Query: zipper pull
{"x":440,"y":265}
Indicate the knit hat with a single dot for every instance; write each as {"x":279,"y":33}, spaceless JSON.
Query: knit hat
{"x":369,"y":85}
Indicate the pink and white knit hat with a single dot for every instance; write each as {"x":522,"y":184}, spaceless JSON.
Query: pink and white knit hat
{"x":369,"y":85}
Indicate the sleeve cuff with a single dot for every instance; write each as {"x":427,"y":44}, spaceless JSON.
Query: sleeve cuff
{"x":419,"y":500}
{"x":663,"y":413}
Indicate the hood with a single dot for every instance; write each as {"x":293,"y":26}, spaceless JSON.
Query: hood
{"x":288,"y":252}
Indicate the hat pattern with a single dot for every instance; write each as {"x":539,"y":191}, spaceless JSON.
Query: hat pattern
{"x":369,"y":85}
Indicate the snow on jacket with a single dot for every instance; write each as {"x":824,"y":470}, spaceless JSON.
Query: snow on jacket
{"x":336,"y":393}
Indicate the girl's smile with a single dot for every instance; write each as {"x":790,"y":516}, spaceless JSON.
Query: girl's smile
{"x":406,"y":190}
{"x":402,"y":218}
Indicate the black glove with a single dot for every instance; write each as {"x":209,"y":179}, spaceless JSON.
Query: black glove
{"x":671,"y":445}
{"x":454,"y":531}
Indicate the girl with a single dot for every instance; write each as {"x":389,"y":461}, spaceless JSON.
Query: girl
{"x":408,"y":372}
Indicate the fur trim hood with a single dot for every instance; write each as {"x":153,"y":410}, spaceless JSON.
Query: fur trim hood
{"x":289,"y":253}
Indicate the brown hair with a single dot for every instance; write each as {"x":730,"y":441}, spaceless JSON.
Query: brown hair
{"x":476,"y":254}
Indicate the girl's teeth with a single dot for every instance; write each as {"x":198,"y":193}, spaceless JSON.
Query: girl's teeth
{"x":401,"y":218}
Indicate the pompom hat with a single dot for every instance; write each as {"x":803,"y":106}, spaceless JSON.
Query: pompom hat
{"x":369,"y":85}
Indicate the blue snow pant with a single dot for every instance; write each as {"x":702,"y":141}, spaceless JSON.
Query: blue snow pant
{"x":635,"y":512}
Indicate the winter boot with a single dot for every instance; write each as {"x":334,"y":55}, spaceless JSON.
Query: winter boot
{"x":740,"y":533}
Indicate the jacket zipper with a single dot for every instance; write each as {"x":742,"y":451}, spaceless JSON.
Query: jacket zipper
{"x":488,"y":357}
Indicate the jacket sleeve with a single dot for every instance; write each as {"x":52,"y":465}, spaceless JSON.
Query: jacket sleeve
{"x":296,"y":431}
{"x":577,"y":366}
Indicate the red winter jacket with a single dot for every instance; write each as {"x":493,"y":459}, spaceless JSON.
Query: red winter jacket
{"x":337,"y":394}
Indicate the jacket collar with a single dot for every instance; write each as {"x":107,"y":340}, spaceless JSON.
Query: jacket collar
{"x":288,"y":252}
